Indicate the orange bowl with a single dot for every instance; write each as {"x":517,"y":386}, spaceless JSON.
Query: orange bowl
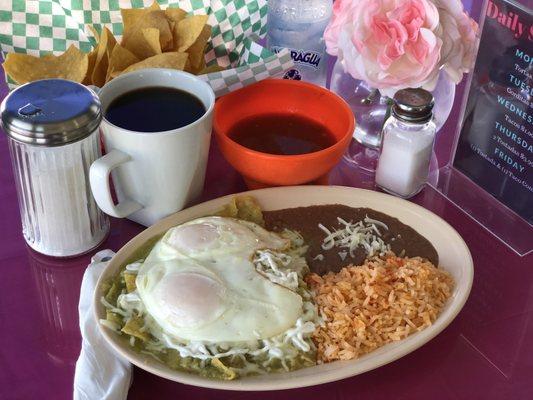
{"x":286,"y":97}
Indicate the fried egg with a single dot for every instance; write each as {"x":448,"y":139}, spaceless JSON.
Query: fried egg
{"x":222,"y":300}
{"x":211,"y":237}
{"x":199,"y":283}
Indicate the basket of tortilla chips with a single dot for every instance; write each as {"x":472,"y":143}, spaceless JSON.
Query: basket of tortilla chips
{"x":215,"y":40}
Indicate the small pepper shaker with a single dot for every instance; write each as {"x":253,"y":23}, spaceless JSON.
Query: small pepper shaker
{"x":408,"y":137}
{"x":52,"y":127}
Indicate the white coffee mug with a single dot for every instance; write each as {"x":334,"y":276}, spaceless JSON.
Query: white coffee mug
{"x":154,"y":174}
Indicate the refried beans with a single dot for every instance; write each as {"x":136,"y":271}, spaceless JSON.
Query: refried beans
{"x":403,"y":240}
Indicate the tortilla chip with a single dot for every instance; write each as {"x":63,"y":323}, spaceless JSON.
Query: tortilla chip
{"x":188,"y":30}
{"x":121,"y":58}
{"x":243,"y":207}
{"x":130,"y":282}
{"x":71,"y":65}
{"x":189,"y":68}
{"x":229,"y":210}
{"x":172,"y":358}
{"x":91,"y":57}
{"x":133,"y":327}
{"x":175,"y":14}
{"x":113,"y":293}
{"x":152,"y":19}
{"x":95,"y":33}
{"x":130,"y":16}
{"x":175,"y":361}
{"x":197,"y":50}
{"x":114,"y":318}
{"x":103,"y":52}
{"x":210,"y":69}
{"x":145,"y":43}
{"x":249,"y":210}
{"x":154,"y":6}
{"x":172,"y":60}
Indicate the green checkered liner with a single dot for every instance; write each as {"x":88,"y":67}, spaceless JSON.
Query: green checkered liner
{"x":51,"y":26}
{"x":227,"y":81}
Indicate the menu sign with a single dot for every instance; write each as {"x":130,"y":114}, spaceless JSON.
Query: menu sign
{"x":495,"y":147}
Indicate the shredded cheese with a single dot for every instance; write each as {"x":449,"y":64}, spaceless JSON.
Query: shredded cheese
{"x":133,"y":268}
{"x":351,"y":235}
{"x":109,"y":324}
{"x":281,"y":268}
{"x":274,"y":266}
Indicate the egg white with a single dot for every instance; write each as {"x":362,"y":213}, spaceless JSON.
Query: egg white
{"x":211,"y":237}
{"x":199,"y":283}
{"x":230,"y":300}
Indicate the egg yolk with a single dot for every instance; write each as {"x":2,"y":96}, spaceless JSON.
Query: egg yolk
{"x":193,"y":237}
{"x":191,"y":299}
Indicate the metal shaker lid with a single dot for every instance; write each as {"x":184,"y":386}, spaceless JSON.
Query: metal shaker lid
{"x":413,"y":105}
{"x":50,"y":112}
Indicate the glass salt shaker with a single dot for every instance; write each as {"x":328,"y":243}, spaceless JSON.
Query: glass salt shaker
{"x":52,"y":127}
{"x":408,"y":137}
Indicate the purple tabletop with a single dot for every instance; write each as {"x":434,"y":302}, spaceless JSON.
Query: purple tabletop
{"x":486,"y":353}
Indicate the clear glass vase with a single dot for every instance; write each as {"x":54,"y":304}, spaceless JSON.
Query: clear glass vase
{"x":370,"y":110}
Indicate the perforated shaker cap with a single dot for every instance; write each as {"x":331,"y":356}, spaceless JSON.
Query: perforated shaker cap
{"x":413,"y":105}
{"x":50,"y":112}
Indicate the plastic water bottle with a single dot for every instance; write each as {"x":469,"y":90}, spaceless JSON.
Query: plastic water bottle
{"x":298,"y":25}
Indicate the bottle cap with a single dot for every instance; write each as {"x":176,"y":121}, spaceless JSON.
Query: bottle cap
{"x":413,"y":105}
{"x":50,"y":112}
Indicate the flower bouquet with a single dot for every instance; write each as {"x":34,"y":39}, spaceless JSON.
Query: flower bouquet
{"x":383,"y":46}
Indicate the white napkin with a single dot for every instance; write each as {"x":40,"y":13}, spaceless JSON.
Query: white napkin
{"x":100,"y":373}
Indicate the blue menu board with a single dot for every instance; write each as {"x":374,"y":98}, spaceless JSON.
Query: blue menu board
{"x":495,"y":146}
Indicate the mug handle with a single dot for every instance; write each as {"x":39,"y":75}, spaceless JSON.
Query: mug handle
{"x":99,"y":179}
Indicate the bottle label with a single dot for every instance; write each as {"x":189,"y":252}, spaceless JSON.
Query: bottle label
{"x":302,"y":57}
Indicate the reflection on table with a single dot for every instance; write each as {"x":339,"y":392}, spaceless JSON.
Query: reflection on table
{"x":58,"y":282}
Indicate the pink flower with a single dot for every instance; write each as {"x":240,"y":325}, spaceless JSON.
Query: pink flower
{"x":459,"y":35}
{"x":341,"y":16}
{"x":393,"y":44}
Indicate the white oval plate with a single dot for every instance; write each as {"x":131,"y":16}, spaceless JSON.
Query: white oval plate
{"x":453,"y":253}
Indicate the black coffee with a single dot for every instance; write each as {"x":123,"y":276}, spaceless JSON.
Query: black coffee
{"x":154,"y":109}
